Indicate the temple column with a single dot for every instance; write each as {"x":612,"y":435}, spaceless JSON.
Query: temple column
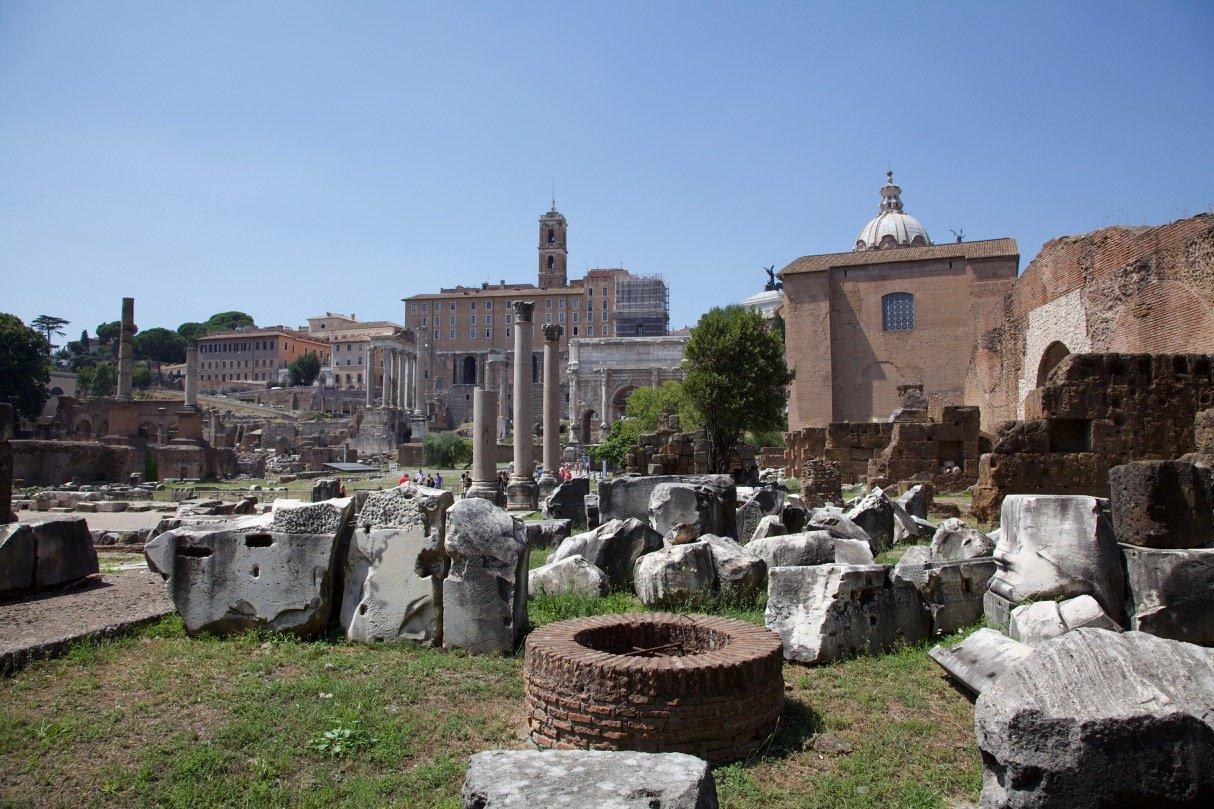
{"x":484,"y":444}
{"x":522,"y":492}
{"x":385,"y":393}
{"x":367,"y":375}
{"x":191,"y":376}
{"x":552,"y":406}
{"x":126,"y":349}
{"x":575,"y":416}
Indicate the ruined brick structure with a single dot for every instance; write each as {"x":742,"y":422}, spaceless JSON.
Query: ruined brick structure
{"x":1119,"y":289}
{"x":945,"y":452}
{"x":670,"y":452}
{"x":1095,"y":411}
{"x":848,"y":445}
{"x":821,"y":483}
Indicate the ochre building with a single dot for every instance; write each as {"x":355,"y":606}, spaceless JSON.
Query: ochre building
{"x":895,"y":310}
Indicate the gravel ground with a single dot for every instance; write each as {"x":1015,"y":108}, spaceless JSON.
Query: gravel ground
{"x":103,"y":520}
{"x":42,"y":623}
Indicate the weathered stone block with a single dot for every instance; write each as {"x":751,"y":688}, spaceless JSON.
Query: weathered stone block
{"x":951,"y":590}
{"x":1040,"y":621}
{"x":980,"y":659}
{"x":826,"y":612}
{"x":613,"y":547}
{"x":64,"y":550}
{"x":675,"y":575}
{"x":573,"y":574}
{"x":875,"y":515}
{"x":568,"y":501}
{"x":527,"y":779}
{"x":18,"y":558}
{"x":954,"y":541}
{"x":1170,"y":592}
{"x":485,"y":592}
{"x":740,"y":573}
{"x":1098,"y":718}
{"x":1162,"y":504}
{"x":810,"y":548}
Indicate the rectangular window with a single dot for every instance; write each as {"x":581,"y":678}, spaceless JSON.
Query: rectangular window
{"x":435,"y":309}
{"x":451,"y":333}
{"x":577,"y":303}
{"x":436,"y":334}
{"x":562,"y":303}
{"x":547,"y":317}
{"x":562,"y":317}
{"x":547,"y":303}
{"x":424,"y":323}
{"x":472,"y":320}
{"x":509,"y":319}
{"x":898,"y":311}
{"x":590,"y":330}
{"x":472,"y":305}
{"x":575,"y":331}
{"x":507,"y":331}
{"x":575,"y":316}
{"x":452,"y":306}
{"x":472,"y":334}
{"x":488,"y":334}
{"x":451,"y":320}
{"x":488,"y":304}
{"x":590,"y":292}
{"x":488,"y":320}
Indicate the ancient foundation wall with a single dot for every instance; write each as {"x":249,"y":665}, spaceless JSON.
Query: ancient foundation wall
{"x":1096,"y":411}
{"x":50,"y":463}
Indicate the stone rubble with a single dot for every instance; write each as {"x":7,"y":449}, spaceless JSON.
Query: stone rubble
{"x":1040,"y":621}
{"x":810,"y":548}
{"x":484,"y":596}
{"x":675,"y":576}
{"x":573,"y":575}
{"x":613,"y":547}
{"x":980,"y":659}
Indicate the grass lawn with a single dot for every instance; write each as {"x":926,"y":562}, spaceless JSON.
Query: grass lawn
{"x":158,"y":718}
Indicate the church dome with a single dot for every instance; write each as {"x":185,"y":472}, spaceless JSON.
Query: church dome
{"x":892,"y":227}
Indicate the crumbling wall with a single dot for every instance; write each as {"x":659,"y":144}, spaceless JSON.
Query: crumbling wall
{"x":50,"y":463}
{"x":1094,"y":412}
{"x":668,"y":452}
{"x":1119,"y":289}
{"x":945,"y":452}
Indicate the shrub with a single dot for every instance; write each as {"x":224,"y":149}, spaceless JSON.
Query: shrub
{"x":446,"y":450}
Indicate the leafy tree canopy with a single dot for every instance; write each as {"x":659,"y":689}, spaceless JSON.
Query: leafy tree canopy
{"x":49,"y":325}
{"x":304,"y":370}
{"x":192,"y":330}
{"x":622,"y":437}
{"x":141,"y":375}
{"x":736,"y":378}
{"x":446,"y":450}
{"x":97,"y":380}
{"x":24,"y":372}
{"x":227,"y":321}
{"x":648,"y":405}
{"x":108,"y":333}
{"x":160,"y":345}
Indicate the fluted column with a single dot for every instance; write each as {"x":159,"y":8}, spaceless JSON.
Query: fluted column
{"x":385,"y":392}
{"x":552,"y":405}
{"x":522,"y":492}
{"x":126,"y":349}
{"x":484,"y":444}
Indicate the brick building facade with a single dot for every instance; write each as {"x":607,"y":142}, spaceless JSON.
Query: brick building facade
{"x":464,"y":334}
{"x":1146,"y":290}
{"x":895,"y":310}
{"x":253,"y":357}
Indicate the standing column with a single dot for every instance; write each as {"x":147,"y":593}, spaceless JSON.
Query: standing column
{"x":552,"y":406}
{"x":191,"y":376}
{"x":385,"y":387}
{"x":126,"y":349}
{"x":575,"y":435}
{"x":522,"y":493}
{"x":367,"y":373}
{"x":484,"y":444}
{"x":604,"y":415}
{"x":398,"y":371}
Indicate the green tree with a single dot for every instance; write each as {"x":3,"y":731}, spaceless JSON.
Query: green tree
{"x":648,"y":405}
{"x":622,"y":437}
{"x":108,"y":334}
{"x":446,"y":450}
{"x":50,"y":326}
{"x":736,"y":378}
{"x":141,"y":375}
{"x":192,"y":330}
{"x":304,"y":370}
{"x":228,"y":321}
{"x":160,"y":345}
{"x":24,"y":372}
{"x":99,"y":379}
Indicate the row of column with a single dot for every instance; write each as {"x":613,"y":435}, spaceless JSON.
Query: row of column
{"x":522,"y":492}
{"x":398,"y":387}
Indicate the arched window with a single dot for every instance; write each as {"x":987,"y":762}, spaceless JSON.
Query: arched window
{"x":551,"y":236}
{"x":469,"y":370}
{"x":551,"y":261}
{"x":1055,"y":353}
{"x":898,"y":311}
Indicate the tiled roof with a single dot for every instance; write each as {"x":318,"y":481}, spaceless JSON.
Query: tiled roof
{"x":269,"y":331}
{"x":988,"y":248}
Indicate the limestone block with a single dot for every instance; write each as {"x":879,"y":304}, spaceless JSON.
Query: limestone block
{"x":823,"y":613}
{"x":980,"y":659}
{"x":952,"y":591}
{"x":568,"y":501}
{"x":916,"y":500}
{"x":529,"y":779}
{"x":769,"y":526}
{"x":1171,"y":592}
{"x":1099,"y":718}
{"x":395,"y":566}
{"x":613,"y":547}
{"x":1057,"y":546}
{"x":673,"y":504}
{"x":833,"y":521}
{"x":233,"y":576}
{"x":794,"y":516}
{"x":548,"y":533}
{"x":874,"y":513}
{"x":485,"y":592}
{"x":573,"y":574}
{"x":673,"y":576}
{"x":110,"y":505}
{"x":332,"y":516}
{"x":18,"y":558}
{"x":1040,"y":621}
{"x":627,"y":497}
{"x":810,"y":548}
{"x":64,"y":551}
{"x":593,"y":517}
{"x":954,"y":541}
{"x":740,"y":573}
{"x":1162,"y":504}
{"x":761,"y":503}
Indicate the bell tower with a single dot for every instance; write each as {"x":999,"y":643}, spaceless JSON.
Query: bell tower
{"x":554,"y":252}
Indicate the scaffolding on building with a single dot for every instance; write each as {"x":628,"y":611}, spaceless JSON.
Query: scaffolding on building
{"x":642,"y":306}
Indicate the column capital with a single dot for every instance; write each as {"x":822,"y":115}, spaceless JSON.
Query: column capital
{"x":523,"y":310}
{"x":553,"y":331}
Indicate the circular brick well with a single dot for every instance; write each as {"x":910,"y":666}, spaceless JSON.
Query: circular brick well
{"x":654,"y":682}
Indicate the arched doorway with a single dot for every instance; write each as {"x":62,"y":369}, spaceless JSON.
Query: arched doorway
{"x":84,"y":428}
{"x":1055,"y":353}
{"x":469,"y":370}
{"x":619,"y":402}
{"x":588,"y":422}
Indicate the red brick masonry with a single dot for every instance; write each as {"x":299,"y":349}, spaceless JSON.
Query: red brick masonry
{"x":656,"y":683}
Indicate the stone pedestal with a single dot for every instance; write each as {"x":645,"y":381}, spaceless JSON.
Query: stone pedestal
{"x":522,"y":493}
{"x":552,"y":408}
{"x":484,"y":444}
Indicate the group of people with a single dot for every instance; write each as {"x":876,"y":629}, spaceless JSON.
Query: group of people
{"x":432,"y":480}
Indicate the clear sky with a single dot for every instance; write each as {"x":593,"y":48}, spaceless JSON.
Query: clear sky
{"x":287,"y":159}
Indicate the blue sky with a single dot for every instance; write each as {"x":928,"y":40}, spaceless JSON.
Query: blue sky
{"x":292,"y":158}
